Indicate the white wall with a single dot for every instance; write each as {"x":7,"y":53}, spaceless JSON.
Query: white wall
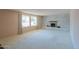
{"x":63,"y":21}
{"x":74,"y":27}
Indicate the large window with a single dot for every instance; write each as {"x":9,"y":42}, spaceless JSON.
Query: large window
{"x":33,"y":21}
{"x":25,"y":21}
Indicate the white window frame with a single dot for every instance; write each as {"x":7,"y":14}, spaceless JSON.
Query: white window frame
{"x":32,"y":23}
{"x":25,"y":24}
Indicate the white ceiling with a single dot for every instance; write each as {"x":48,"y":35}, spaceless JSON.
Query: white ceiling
{"x":44,"y":12}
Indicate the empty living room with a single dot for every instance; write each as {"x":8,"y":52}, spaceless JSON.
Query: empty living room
{"x":39,"y":28}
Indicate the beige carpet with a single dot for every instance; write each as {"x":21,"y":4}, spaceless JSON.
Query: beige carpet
{"x":39,"y":39}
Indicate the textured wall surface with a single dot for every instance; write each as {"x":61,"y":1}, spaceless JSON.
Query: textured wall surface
{"x":63,"y":21}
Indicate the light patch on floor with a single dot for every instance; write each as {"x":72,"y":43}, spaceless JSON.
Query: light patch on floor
{"x":39,"y":39}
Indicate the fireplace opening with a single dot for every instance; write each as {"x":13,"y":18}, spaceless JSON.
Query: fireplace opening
{"x":53,"y":25}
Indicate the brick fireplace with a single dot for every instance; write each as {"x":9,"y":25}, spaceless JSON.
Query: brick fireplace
{"x":52,"y":24}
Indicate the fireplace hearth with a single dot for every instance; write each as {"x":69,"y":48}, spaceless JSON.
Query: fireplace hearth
{"x":53,"y":24}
